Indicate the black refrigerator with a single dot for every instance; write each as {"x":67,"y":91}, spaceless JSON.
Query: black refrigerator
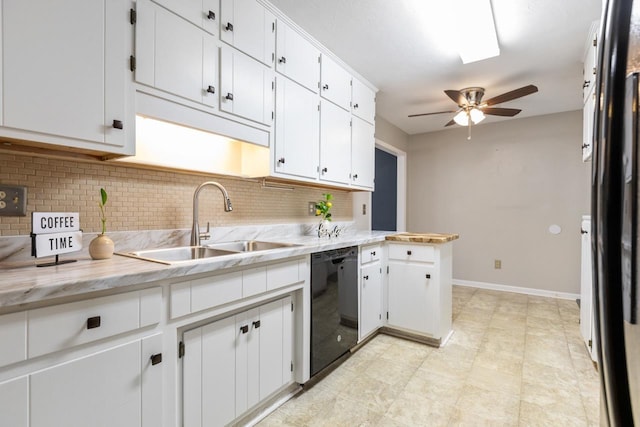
{"x":615,"y":214}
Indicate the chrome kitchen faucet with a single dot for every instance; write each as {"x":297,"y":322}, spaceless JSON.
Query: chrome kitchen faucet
{"x":195,"y":228}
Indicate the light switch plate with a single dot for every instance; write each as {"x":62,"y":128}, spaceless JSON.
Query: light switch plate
{"x":312,"y":209}
{"x":13,"y":200}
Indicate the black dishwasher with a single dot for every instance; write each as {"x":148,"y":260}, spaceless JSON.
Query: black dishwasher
{"x":334,"y":305}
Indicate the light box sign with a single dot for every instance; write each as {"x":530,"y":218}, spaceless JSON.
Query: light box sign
{"x":55,"y":233}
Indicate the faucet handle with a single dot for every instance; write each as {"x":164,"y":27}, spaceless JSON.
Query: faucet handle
{"x":207,"y":234}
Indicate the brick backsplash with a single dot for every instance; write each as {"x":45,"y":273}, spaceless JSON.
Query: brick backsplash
{"x":144,"y":199}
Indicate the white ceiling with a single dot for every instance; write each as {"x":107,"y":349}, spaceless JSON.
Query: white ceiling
{"x":403,"y":51}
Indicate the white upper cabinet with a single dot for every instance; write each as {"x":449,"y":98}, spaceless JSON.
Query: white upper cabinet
{"x":297,"y":138}
{"x":335,"y":83}
{"x":175,"y":56}
{"x":335,"y":143}
{"x":363,"y":101}
{"x":246,"y":86}
{"x":590,"y":58}
{"x":203,"y":13}
{"x":362,"y":154}
{"x":249,"y":27}
{"x":65,"y":75}
{"x":296,"y":57}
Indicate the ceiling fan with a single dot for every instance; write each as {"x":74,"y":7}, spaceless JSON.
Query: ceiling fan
{"x":473,"y":110}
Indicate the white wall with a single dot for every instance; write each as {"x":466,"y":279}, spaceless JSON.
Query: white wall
{"x":501,"y":191}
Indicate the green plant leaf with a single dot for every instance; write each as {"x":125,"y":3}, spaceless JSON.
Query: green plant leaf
{"x":103,"y":195}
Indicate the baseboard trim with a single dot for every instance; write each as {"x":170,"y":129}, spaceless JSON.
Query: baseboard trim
{"x":516,"y":289}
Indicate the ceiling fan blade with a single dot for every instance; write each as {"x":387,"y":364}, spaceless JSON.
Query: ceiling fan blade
{"x":450,"y":123}
{"x":506,"y":112}
{"x":430,"y":114}
{"x":514,"y":94}
{"x":457,"y":97}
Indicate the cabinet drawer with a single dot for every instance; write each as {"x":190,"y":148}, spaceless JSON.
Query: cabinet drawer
{"x":216,"y":290}
{"x":13,"y":336}
{"x":282,"y":274}
{"x":420,"y":253}
{"x":63,"y":326}
{"x":370,"y":254}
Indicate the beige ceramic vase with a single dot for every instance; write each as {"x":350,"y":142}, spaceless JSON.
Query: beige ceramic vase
{"x":101,"y":247}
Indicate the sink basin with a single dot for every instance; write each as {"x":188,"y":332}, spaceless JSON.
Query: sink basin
{"x":179,"y":254}
{"x":249,"y":246}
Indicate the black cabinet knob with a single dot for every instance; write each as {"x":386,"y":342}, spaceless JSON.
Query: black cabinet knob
{"x":156,"y":358}
{"x":586,"y":84}
{"x":229,"y":26}
{"x":355,"y":106}
{"x":373,"y":253}
{"x":117,"y":124}
{"x":583,"y":231}
{"x":256,"y":324}
{"x":93,"y":322}
{"x":281,"y":160}
{"x":408,"y":252}
{"x":366,"y":277}
{"x":211,"y":89}
{"x":211,"y":15}
{"x":229,"y":96}
{"x":355,"y":176}
{"x":586,"y":145}
{"x":244,"y":329}
{"x":324,"y":170}
{"x":428,"y":276}
{"x":325,"y":87}
{"x":282,"y":60}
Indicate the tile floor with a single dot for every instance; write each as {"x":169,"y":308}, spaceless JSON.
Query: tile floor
{"x":513,"y":360}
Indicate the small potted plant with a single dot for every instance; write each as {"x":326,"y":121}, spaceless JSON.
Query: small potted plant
{"x":102,"y":246}
{"x":322,"y":210}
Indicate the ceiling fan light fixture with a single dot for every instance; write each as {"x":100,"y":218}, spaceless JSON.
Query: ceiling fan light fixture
{"x":462,"y":118}
{"x":483,"y":44}
{"x":476,"y":116}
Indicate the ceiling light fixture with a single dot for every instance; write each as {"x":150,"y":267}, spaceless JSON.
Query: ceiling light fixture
{"x":482,"y":42}
{"x":463,"y":116}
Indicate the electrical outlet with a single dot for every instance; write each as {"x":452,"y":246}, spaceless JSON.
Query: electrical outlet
{"x":312,"y":208}
{"x":497,"y":264}
{"x":13,"y":200}
{"x":364,"y":209}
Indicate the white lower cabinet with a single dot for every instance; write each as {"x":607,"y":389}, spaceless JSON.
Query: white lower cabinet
{"x":370,"y":290}
{"x":587,"y":326}
{"x":232,"y":364}
{"x":419,"y":289}
{"x":14,"y":402}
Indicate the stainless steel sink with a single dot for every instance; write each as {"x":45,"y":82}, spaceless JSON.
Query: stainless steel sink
{"x":249,"y":246}
{"x":179,"y":254}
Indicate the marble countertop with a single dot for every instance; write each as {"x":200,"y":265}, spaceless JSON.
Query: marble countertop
{"x":22,"y":284}
{"x":422,"y":237}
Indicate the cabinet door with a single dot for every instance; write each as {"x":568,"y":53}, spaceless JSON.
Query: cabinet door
{"x":175,"y":56}
{"x":275,"y":346}
{"x":362,"y":153}
{"x":65,"y":70}
{"x":363,"y":101}
{"x":203,"y":13}
{"x":246,"y":87}
{"x":249,"y":27}
{"x":102,"y":389}
{"x":297,"y":139}
{"x":297,"y":58}
{"x":14,"y":402}
{"x":335,"y":84}
{"x":588,"y":119}
{"x":412,"y":294}
{"x":589,"y":67}
{"x":586,"y":303}
{"x":247,"y":361}
{"x":370,"y":299}
{"x":335,"y":143}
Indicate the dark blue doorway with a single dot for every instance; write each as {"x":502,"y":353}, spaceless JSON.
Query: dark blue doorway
{"x":384,"y":202}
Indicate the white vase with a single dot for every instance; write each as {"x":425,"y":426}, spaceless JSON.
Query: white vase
{"x":323,"y":228}
{"x":101,"y":247}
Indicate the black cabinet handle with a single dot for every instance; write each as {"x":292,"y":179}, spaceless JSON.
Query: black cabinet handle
{"x":256,"y":324}
{"x":355,"y":176}
{"x":281,"y":160}
{"x":229,"y":96}
{"x":586,"y":145}
{"x":93,"y":322}
{"x":229,"y":26}
{"x":428,"y":276}
{"x":366,"y":277}
{"x":211,"y":15}
{"x":355,"y":106}
{"x":408,"y":252}
{"x":373,"y":253}
{"x":586,"y":84}
{"x":244,"y":329}
{"x":325,"y":87}
{"x":282,"y":60}
{"x":583,"y":231}
{"x":117,"y":124}
{"x":211,"y":89}
{"x":324,"y":170}
{"x":156,"y":358}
